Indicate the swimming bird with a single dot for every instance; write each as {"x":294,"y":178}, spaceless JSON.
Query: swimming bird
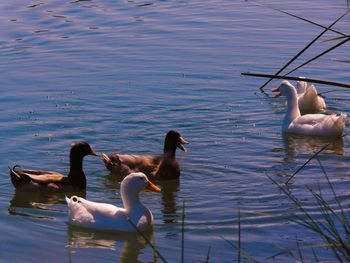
{"x":308,"y":99}
{"x":163,"y":166}
{"x":108,"y":217}
{"x":309,"y":124}
{"x":49,"y":181}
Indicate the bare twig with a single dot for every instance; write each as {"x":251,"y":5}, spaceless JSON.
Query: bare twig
{"x":245,"y":254}
{"x":147,"y":240}
{"x":298,"y":17}
{"x":325,"y":82}
{"x":239,"y":234}
{"x":312,"y":157}
{"x":302,"y":51}
{"x":208,"y":255}
{"x":319,"y":55}
{"x":183,"y":233}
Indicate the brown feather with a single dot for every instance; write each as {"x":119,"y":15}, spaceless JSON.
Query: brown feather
{"x":163,"y":166}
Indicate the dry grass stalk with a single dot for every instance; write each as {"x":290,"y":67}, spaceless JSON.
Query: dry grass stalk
{"x":303,"y":50}
{"x":319,"y":81}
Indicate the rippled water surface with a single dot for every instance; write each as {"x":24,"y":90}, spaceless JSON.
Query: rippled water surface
{"x":119,"y":75}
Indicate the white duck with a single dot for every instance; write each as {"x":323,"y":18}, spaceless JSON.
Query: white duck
{"x":308,"y":99}
{"x":104,"y":216}
{"x":309,"y":124}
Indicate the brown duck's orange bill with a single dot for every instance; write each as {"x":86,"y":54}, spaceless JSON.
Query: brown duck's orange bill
{"x":152,"y":187}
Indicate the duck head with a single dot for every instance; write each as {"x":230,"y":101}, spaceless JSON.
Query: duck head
{"x":77,"y":153}
{"x":284,"y":89}
{"x":136,"y":182}
{"x":81,"y":149}
{"x":174,"y":140}
{"x":301,"y":85}
{"x":131,"y":186}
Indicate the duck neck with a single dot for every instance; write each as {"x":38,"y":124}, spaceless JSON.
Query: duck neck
{"x":169,"y":150}
{"x":131,"y":199}
{"x":76,"y":174}
{"x":293,"y":111}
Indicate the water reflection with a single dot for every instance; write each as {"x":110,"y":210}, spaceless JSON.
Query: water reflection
{"x":37,"y":205}
{"x":132,"y":243}
{"x":169,"y":192}
{"x":112,"y":181}
{"x":295,"y":144}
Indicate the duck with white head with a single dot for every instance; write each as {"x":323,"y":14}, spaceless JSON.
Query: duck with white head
{"x":310,"y":124}
{"x":108,"y":217}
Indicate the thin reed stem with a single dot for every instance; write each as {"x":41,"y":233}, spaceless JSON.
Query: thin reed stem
{"x":245,"y":254}
{"x":183,"y":233}
{"x":312,"y":157}
{"x":304,"y":49}
{"x":299,"y":250}
{"x":208,"y":255}
{"x":147,"y":240}
{"x":319,"y":55}
{"x":239,"y":235}
{"x":336,"y":38}
{"x":312,"y":223}
{"x":298,"y":17}
{"x":315,"y":256}
{"x":343,"y":218}
{"x":326,"y":92}
{"x":325,"y":82}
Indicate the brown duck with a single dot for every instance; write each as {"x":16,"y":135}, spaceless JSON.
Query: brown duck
{"x":163,"y":166}
{"x":49,"y":181}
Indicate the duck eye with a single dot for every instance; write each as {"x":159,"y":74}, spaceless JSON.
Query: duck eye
{"x":141,"y":178}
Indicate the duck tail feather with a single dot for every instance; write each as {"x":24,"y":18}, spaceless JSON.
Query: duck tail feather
{"x":110,"y":163}
{"x":67,"y":199}
{"x":342,"y":119}
{"x":16,"y":178}
{"x":106,"y":158}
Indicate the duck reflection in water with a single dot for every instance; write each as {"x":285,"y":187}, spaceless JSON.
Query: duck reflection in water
{"x":132,"y":244}
{"x":30,"y":203}
{"x":169,"y":194}
{"x":296,"y":144}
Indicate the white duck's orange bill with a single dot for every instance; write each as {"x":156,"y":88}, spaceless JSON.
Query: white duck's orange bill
{"x":152,"y":187}
{"x":276,"y":90}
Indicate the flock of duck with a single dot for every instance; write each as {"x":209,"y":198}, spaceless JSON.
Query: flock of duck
{"x":140,"y":170}
{"x":306,"y":99}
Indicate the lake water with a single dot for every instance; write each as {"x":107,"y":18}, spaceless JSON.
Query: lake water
{"x":119,"y":75}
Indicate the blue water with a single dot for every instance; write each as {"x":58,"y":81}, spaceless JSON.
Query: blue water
{"x":119,"y":75}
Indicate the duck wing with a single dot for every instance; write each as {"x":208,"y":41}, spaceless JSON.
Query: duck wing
{"x":310,"y":119}
{"x":138,"y":160}
{"x":124,"y":164}
{"x":22,"y":177}
{"x":310,"y":101}
{"x":96,"y":215}
{"x":319,"y":124}
{"x":147,"y":164}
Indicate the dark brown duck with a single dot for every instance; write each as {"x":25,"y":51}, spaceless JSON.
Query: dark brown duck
{"x":49,"y":181}
{"x":164,"y":166}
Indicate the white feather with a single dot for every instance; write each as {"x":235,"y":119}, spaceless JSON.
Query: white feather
{"x":102,"y":216}
{"x":308,"y":98}
{"x":309,"y":124}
